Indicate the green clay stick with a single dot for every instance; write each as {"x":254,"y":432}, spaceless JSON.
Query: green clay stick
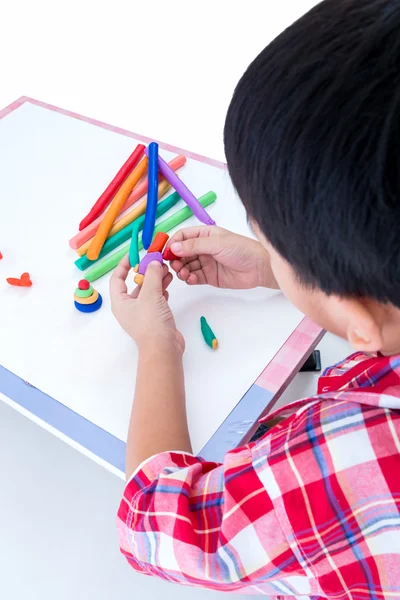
{"x":134,"y":247}
{"x":208,"y":334}
{"x":102,"y":267}
{"x":121,"y":236}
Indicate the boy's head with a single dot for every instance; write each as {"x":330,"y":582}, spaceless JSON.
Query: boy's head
{"x":312,"y":139}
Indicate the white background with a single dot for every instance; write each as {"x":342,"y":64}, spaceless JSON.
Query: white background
{"x":57,"y":508}
{"x":106,"y":59}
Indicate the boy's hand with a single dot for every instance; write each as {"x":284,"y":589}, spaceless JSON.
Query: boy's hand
{"x":145,"y":314}
{"x":217,"y":257}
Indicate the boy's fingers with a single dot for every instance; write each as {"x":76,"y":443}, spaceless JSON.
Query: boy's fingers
{"x":186,"y":234}
{"x":167,"y":278}
{"x":153,"y":280}
{"x":189,"y":233}
{"x":166,"y":281}
{"x":136,"y":292}
{"x":118,"y":278}
{"x":196,"y":246}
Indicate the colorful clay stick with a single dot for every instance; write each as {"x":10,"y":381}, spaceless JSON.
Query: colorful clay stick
{"x":114,"y":209}
{"x":147,"y":259}
{"x":113,"y":187}
{"x":1,"y":256}
{"x":84,"y":284}
{"x":109,"y":263}
{"x":208,"y":334}
{"x":134,"y":245}
{"x":152,"y":177}
{"x":136,"y":212}
{"x":84,"y":293}
{"x":168,"y":255}
{"x":90,"y":300}
{"x":139,"y":191}
{"x":89,"y":308}
{"x":184,"y":192}
{"x":159,"y":242}
{"x":113,"y":242}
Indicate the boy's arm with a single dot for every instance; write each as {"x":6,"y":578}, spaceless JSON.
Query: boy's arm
{"x":158,"y":419}
{"x":196,"y":522}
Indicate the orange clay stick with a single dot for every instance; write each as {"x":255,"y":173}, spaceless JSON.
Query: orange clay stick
{"x":117,"y":203}
{"x":139,"y":191}
{"x":158,"y":243}
{"x":136,"y":212}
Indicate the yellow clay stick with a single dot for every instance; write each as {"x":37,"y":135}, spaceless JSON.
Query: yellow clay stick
{"x":114,"y":208}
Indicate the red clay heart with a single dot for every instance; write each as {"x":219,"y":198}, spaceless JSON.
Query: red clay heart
{"x":24,"y":281}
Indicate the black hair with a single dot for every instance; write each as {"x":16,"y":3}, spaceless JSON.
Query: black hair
{"x":312,"y":140}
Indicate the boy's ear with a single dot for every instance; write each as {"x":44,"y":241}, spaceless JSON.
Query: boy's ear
{"x":363,"y":330}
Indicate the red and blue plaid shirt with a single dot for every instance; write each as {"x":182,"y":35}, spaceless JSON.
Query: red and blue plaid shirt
{"x":310,"y":509}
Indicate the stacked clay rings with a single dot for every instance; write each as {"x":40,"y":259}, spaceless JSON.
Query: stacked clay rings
{"x":87,"y":299}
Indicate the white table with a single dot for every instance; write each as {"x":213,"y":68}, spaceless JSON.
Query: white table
{"x":85,"y":397}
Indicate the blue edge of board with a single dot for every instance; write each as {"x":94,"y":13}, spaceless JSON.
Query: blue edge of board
{"x":109,"y":448}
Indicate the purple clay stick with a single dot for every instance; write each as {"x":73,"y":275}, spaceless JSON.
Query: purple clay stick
{"x":147,"y":259}
{"x":199,"y":212}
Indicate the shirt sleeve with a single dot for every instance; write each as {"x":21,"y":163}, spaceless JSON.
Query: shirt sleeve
{"x":201,"y":523}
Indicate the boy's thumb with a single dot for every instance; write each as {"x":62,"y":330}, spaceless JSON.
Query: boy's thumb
{"x":152,"y":283}
{"x":199,"y":245}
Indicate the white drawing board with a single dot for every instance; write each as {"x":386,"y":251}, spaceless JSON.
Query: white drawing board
{"x":52,"y":169}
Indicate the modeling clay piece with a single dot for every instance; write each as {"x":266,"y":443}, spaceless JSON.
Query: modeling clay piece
{"x":87,"y":300}
{"x":84,"y":284}
{"x":198,"y":210}
{"x":113,"y":187}
{"x":106,"y":265}
{"x":89,"y":308}
{"x":159,"y":242}
{"x":14,"y":281}
{"x":1,"y":256}
{"x":144,"y":263}
{"x":114,"y":209}
{"x":138,"y":279}
{"x":147,"y":259}
{"x":130,"y":231}
{"x":24,"y":281}
{"x":208,"y":334}
{"x":139,"y":191}
{"x":168,"y":255}
{"x":150,"y":216}
{"x":129,"y":217}
{"x":84,"y":293}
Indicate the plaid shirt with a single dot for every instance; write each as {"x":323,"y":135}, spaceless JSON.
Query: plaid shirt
{"x":310,"y":509}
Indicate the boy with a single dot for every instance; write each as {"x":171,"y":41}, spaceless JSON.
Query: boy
{"x":312,"y":140}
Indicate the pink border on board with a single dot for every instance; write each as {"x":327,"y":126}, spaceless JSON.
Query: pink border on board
{"x":125,"y":132}
{"x":278,"y":374}
{"x":283,"y":367}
